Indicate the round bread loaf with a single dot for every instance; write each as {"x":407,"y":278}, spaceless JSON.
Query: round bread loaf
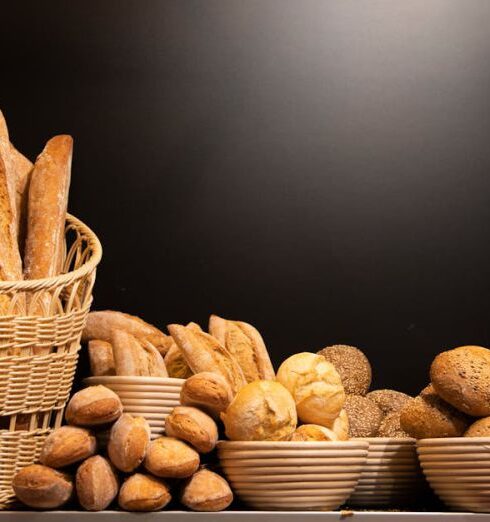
{"x":96,"y":484}
{"x":261,"y":410}
{"x":314,"y":432}
{"x":480,"y":428}
{"x":462,"y":378}
{"x":171,"y":458}
{"x":428,"y":416}
{"x":207,"y":391}
{"x":315,"y":386}
{"x":143,"y":493}
{"x":364,"y":416}
{"x":388,"y":401}
{"x":194,"y":426}
{"x":206,"y":491}
{"x":67,"y":445}
{"x":352,"y":365}
{"x":93,"y":406}
{"x":390,"y":427}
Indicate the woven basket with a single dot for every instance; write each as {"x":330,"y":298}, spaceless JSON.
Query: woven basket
{"x":39,"y":345}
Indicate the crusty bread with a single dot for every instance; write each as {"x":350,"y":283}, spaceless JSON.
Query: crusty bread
{"x":193,"y":426}
{"x":175,"y":363}
{"x":364,"y":416}
{"x":22,"y":168}
{"x":206,"y":491}
{"x":314,"y":432}
{"x":128,"y":442}
{"x":207,"y":391}
{"x":143,"y":493}
{"x":101,"y":358}
{"x":67,"y":445}
{"x":480,"y":428}
{"x":93,"y":406}
{"x":96,"y":483}
{"x":171,"y":458}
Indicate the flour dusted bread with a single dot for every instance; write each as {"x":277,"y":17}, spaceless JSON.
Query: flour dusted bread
{"x":193,"y":426}
{"x":206,"y":491}
{"x":93,"y":406}
{"x":96,"y":484}
{"x":207,"y":391}
{"x":101,"y":357}
{"x":171,"y":458}
{"x":67,"y":445}
{"x":142,"y":492}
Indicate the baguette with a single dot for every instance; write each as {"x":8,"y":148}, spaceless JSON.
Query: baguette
{"x":101,"y":358}
{"x":22,"y":168}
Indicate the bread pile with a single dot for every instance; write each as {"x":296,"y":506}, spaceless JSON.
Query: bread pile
{"x":138,"y":472}
{"x":457,"y":401}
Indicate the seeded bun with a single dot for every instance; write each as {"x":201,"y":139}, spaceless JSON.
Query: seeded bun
{"x":480,"y":428}
{"x":428,"y":416}
{"x":462,"y":378}
{"x":353,"y":367}
{"x":364,"y":416}
{"x":388,"y":401}
{"x":390,"y":427}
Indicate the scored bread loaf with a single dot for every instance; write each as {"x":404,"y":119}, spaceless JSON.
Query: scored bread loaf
{"x":96,"y":483}
{"x":93,"y":406}
{"x":206,"y":491}
{"x":207,"y":391}
{"x":101,"y":358}
{"x":171,"y":458}
{"x":193,"y":426}
{"x":143,"y":493}
{"x":67,"y":445}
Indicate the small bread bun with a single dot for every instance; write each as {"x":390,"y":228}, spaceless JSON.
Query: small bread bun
{"x":352,"y":365}
{"x":261,"y":410}
{"x":143,"y":493}
{"x":480,"y":428}
{"x":206,"y":491}
{"x":171,"y":458}
{"x":67,"y":445}
{"x":390,"y":427}
{"x":364,"y":416}
{"x":314,"y":432}
{"x":207,"y":391}
{"x":388,"y":401}
{"x":340,"y":426}
{"x":428,"y":416}
{"x":193,"y":426}
{"x":97,"y":484}
{"x":175,"y":363}
{"x":462,"y":378}
{"x":315,"y":386}
{"x":93,"y":406}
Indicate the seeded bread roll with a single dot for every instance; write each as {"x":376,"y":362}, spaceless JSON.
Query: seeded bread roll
{"x":388,"y":401}
{"x":41,"y":487}
{"x":67,"y":445}
{"x":175,"y":363}
{"x":101,"y":358}
{"x":128,"y":442}
{"x":314,"y":432}
{"x":390,"y":427}
{"x":93,"y":406}
{"x":171,"y":458}
{"x":207,"y":391}
{"x":462,"y":378}
{"x":96,"y":483}
{"x":480,"y":428}
{"x":353,"y":367}
{"x":364,"y":416}
{"x":206,"y":491}
{"x":193,"y":426}
{"x":143,"y":493}
{"x":428,"y":416}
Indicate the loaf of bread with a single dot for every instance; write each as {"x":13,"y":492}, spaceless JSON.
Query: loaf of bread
{"x":175,"y":363}
{"x":314,"y":432}
{"x":207,"y":391}
{"x":340,"y":426}
{"x":193,"y":426}
{"x":41,"y":487}
{"x":462,"y":378}
{"x":96,"y":484}
{"x":388,"y":401}
{"x":364,"y":416}
{"x":261,"y":410}
{"x":23,"y":170}
{"x":101,"y":324}
{"x":93,"y":406}
{"x":206,"y":491}
{"x":315,"y":385}
{"x":480,"y":428}
{"x":143,"y":493}
{"x":128,"y":442}
{"x":171,"y":458}
{"x":390,"y":427}
{"x":101,"y":358}
{"x":67,"y":445}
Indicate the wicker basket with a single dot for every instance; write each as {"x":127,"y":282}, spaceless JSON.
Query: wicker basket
{"x":39,"y":345}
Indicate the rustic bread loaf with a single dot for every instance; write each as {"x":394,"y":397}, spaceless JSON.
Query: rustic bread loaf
{"x":101,"y":358}
{"x":67,"y":445}
{"x":175,"y":363}
{"x":171,"y":458}
{"x":207,"y":391}
{"x":206,"y":491}
{"x":193,"y":426}
{"x":96,"y":484}
{"x":93,"y":406}
{"x":143,"y":493}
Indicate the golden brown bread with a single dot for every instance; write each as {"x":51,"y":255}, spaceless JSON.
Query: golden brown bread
{"x":101,"y":358}
{"x":193,"y":426}
{"x":171,"y":458}
{"x":22,"y":168}
{"x":67,"y":445}
{"x":206,"y":491}
{"x":175,"y":363}
{"x":93,"y":406}
{"x":480,"y":428}
{"x":41,"y":487}
{"x":314,"y":432}
{"x":96,"y":484}
{"x":364,"y":416}
{"x":143,"y":493}
{"x":207,"y":391}
{"x":388,"y":401}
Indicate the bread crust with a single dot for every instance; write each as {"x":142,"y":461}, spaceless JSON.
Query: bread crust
{"x":206,"y":491}
{"x":93,"y":406}
{"x":22,"y":168}
{"x":142,"y":492}
{"x":128,"y":442}
{"x":175,"y":363}
{"x":168,"y":457}
{"x":193,"y":426}
{"x":207,"y":391}
{"x":96,"y":483}
{"x":101,"y":358}
{"x":67,"y":445}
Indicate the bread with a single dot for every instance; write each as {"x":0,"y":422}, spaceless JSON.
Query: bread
{"x":207,"y":391}
{"x":96,"y":484}
{"x":246,"y":345}
{"x":67,"y":445}
{"x":206,"y":491}
{"x":171,"y":458}
{"x":101,"y":358}
{"x":175,"y":363}
{"x":480,"y":428}
{"x":101,"y":324}
{"x":390,"y":427}
{"x":203,"y":353}
{"x":143,"y":493}
{"x":315,"y":385}
{"x":23,"y":170}
{"x":261,"y":410}
{"x":193,"y":426}
{"x":462,"y":378}
{"x":128,"y":442}
{"x":352,"y":365}
{"x":340,"y":426}
{"x":93,"y":406}
{"x":136,"y":358}
{"x":428,"y":416}
{"x":364,"y":416}
{"x":40,"y":487}
{"x":388,"y":401}
{"x":314,"y":432}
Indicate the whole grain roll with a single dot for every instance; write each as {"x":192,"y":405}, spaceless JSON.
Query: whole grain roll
{"x":352,"y":365}
{"x":207,"y":391}
{"x":93,"y":406}
{"x":390,"y":427}
{"x":143,"y":493}
{"x":96,"y":483}
{"x":194,"y":426}
{"x":462,"y":378}
{"x":171,"y":458}
{"x":364,"y":416}
{"x":388,"y":401}
{"x":428,"y":416}
{"x":67,"y":445}
{"x":480,"y":428}
{"x":206,"y":491}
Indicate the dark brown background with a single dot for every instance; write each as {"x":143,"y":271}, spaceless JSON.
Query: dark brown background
{"x":320,"y":169}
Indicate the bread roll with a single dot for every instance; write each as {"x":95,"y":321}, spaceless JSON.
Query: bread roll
{"x":128,"y":442}
{"x":41,"y":487}
{"x":246,"y":345}
{"x":207,"y":391}
{"x":388,"y":401}
{"x":175,"y":363}
{"x":101,"y":324}
{"x":206,"y":491}
{"x":340,"y":426}
{"x":171,"y":458}
{"x":480,"y":428}
{"x":67,"y":445}
{"x":96,"y":483}
{"x":390,"y":427}
{"x":143,"y":493}
{"x":314,"y":432}
{"x":101,"y":358}
{"x":193,"y":426}
{"x":428,"y":416}
{"x":315,"y":385}
{"x":93,"y":406}
{"x":462,"y":378}
{"x":364,"y":416}
{"x":261,"y":410}
{"x":352,"y":365}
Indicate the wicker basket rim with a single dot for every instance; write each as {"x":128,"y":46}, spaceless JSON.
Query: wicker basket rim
{"x":50,"y":282}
